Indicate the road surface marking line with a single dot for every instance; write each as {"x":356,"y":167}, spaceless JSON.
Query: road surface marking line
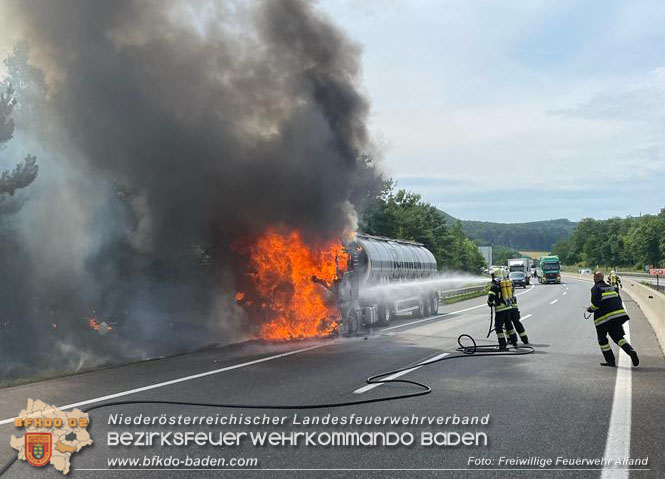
{"x":564,"y":293}
{"x":435,"y":358}
{"x":447,"y":314}
{"x":618,"y":433}
{"x":369,"y":387}
{"x":176,"y":381}
{"x":526,"y":317}
{"x":552,"y":302}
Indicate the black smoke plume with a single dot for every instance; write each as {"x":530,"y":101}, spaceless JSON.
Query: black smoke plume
{"x":171,"y":129}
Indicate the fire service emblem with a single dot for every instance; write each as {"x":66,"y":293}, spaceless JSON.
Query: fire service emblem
{"x":38,"y":447}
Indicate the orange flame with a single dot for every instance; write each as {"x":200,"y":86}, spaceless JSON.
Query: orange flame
{"x":97,"y":326}
{"x":288,"y":276}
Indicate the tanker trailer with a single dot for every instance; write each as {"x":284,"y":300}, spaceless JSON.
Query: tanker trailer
{"x":386,"y":277}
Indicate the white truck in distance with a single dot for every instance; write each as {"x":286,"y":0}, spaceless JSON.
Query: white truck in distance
{"x":523,"y":265}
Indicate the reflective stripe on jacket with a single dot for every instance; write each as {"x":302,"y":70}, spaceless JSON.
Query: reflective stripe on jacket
{"x":494,"y":298}
{"x":605,"y":303}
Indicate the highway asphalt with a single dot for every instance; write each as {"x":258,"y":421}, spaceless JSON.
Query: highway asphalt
{"x":556,"y":403}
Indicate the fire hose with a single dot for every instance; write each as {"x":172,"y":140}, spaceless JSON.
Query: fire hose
{"x":489,"y":331}
{"x":469,"y":350}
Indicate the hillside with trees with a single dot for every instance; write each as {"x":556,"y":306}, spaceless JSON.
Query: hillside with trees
{"x":617,"y":242}
{"x":530,"y":236}
{"x":403,"y":215}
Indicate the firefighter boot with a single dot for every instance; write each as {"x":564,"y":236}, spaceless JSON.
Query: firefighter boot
{"x":512,"y":337}
{"x":502,"y":341}
{"x":608,"y":354}
{"x":524,"y":338}
{"x":499,"y":324}
{"x":625,"y":345}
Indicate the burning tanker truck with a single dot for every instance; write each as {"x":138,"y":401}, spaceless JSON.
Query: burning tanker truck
{"x":383,"y":277}
{"x":291,"y":289}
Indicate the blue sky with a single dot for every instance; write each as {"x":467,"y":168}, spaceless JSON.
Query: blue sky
{"x":517,"y":110}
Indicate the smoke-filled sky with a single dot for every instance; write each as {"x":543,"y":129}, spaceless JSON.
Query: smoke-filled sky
{"x":172,"y":133}
{"x":555,"y":107}
{"x":518,"y":110}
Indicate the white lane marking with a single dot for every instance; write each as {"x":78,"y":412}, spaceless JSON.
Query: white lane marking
{"x":176,"y":381}
{"x":524,"y":318}
{"x":618,"y":434}
{"x":552,"y":302}
{"x":564,"y":293}
{"x":447,"y":314}
{"x":435,"y":358}
{"x":369,"y":387}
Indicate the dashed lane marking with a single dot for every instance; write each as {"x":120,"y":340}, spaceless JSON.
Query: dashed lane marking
{"x":369,"y":387}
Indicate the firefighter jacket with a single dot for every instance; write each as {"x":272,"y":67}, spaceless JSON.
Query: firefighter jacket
{"x":614,"y":280}
{"x":494,"y":298}
{"x":606,"y":303}
{"x":514,"y":303}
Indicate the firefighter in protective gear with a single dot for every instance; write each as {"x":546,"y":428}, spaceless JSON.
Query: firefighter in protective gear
{"x":514,"y":326}
{"x":614,"y":280}
{"x":502,"y":311}
{"x":608,"y":317}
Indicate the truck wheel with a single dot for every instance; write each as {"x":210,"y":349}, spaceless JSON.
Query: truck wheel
{"x":420,"y":311}
{"x":434,"y":304}
{"x":426,"y":306}
{"x":385,"y":315}
{"x":353,"y":322}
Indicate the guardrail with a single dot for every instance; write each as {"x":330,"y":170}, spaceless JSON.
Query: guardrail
{"x":454,"y":293}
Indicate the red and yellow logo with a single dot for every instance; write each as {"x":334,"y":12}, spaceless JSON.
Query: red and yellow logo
{"x":38,"y":448}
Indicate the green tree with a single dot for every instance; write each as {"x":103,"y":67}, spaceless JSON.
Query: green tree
{"x":501,"y":255}
{"x":24,"y":173}
{"x":646,"y":239}
{"x":616,"y":242}
{"x":403,"y":215}
{"x":27,"y":83}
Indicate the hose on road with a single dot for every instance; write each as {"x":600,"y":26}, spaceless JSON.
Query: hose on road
{"x":472,"y":350}
{"x":489,"y":331}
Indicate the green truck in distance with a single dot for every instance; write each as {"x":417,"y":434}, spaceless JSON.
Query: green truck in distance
{"x":549,"y":270}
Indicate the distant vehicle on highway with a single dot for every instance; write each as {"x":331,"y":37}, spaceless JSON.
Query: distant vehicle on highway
{"x":518,"y":278}
{"x":549,"y":270}
{"x":523,"y":265}
{"x":585,"y":271}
